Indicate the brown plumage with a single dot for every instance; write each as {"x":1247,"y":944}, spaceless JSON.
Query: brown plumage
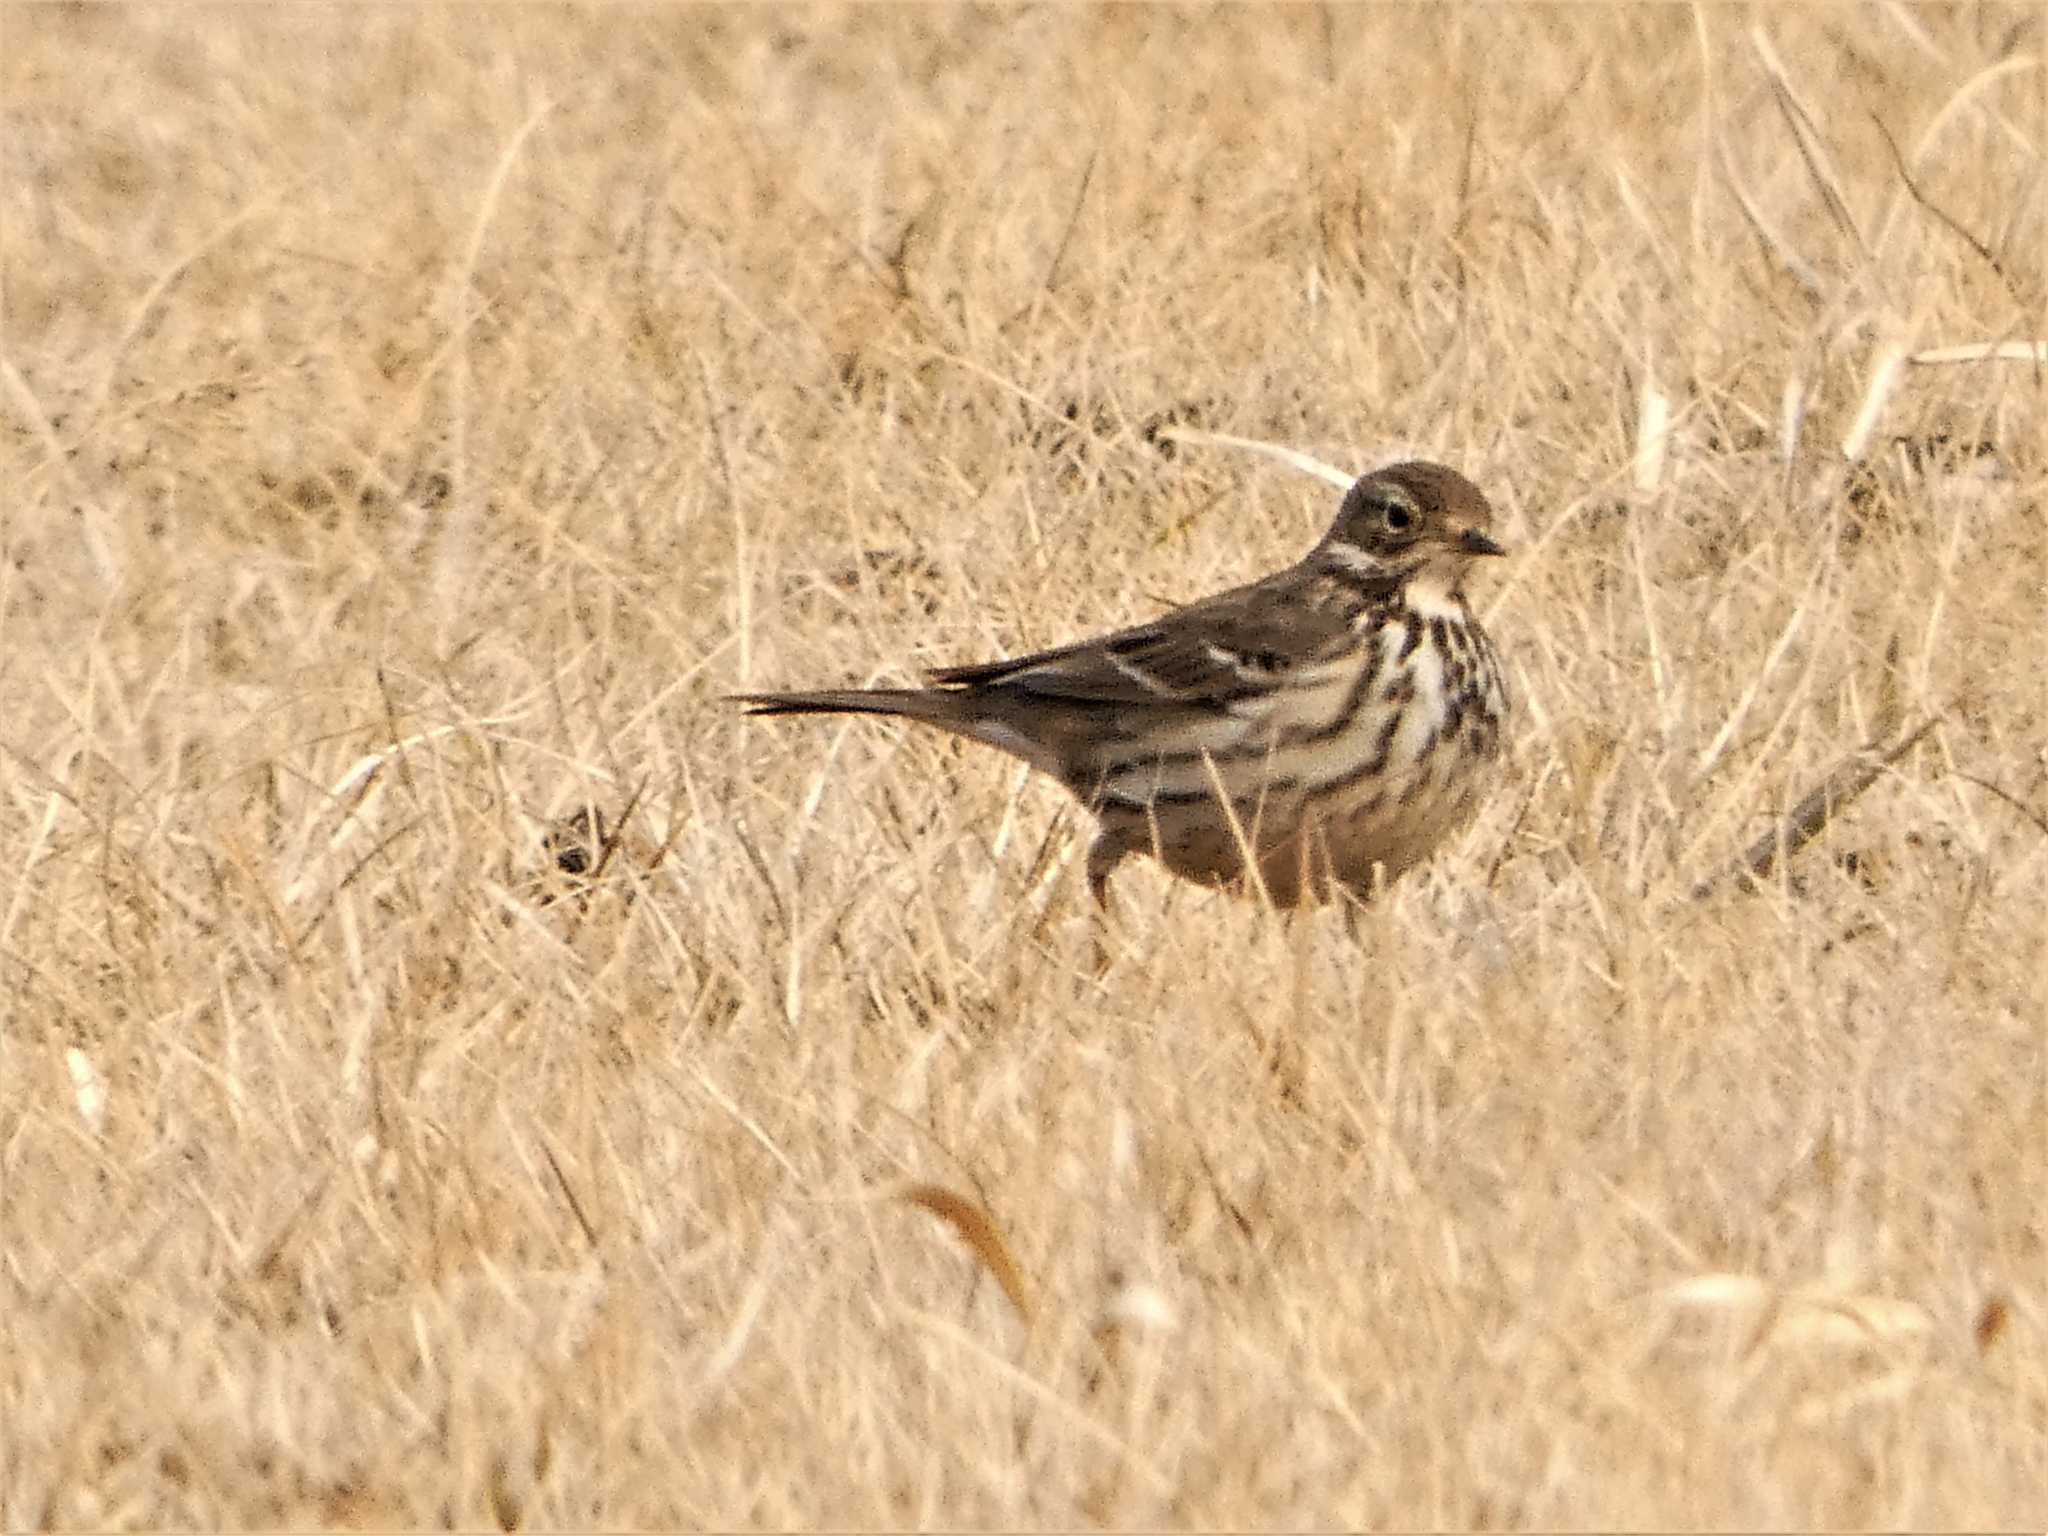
{"x":1335,"y":720}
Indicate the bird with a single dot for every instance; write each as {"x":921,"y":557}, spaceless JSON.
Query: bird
{"x":1306,"y":736}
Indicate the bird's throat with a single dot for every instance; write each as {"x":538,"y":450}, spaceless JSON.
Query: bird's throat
{"x":1435,"y":595}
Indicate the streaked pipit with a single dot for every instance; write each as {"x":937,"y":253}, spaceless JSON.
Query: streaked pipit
{"x":1322,"y":729}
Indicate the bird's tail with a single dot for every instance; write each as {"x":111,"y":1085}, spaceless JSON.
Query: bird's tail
{"x":955,"y":710}
{"x":911,"y":703}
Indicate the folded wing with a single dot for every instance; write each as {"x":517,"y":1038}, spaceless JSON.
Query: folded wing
{"x":1208,"y":656}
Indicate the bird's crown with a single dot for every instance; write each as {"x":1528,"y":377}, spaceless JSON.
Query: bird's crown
{"x":1410,"y":513}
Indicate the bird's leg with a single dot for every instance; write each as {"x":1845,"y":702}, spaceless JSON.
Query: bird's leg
{"x":1104,"y":854}
{"x":1355,"y":899}
{"x":1353,"y":904}
{"x":1285,"y":1058}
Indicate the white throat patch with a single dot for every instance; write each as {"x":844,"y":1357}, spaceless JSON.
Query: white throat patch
{"x":1430,"y":595}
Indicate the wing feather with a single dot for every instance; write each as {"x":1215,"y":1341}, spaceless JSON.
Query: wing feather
{"x":1205,"y":655}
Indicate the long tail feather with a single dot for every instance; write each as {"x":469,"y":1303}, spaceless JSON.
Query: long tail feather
{"x":912,"y":703}
{"x":950,"y":709}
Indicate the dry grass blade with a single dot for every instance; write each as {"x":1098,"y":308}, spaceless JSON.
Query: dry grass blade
{"x":2039,"y":821}
{"x":1052,"y":271}
{"x":465,"y":305}
{"x":1819,"y":165}
{"x":1964,"y":97}
{"x":1990,"y":1323}
{"x":1724,"y":738}
{"x":978,"y":1230}
{"x":319,"y":915}
{"x":547,"y":1149}
{"x":2035,"y":352}
{"x":759,"y":864}
{"x":1796,"y":265}
{"x":149,"y":308}
{"x":1947,"y":220}
{"x":270,"y":1257}
{"x":1823,"y":1315}
{"x":390,"y":508}
{"x":1653,"y":436}
{"x":1293,"y":458}
{"x":88,"y":1088}
{"x":1884,"y":378}
{"x":1809,"y":818}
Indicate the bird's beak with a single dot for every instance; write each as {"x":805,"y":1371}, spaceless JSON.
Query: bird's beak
{"x":1473,"y":542}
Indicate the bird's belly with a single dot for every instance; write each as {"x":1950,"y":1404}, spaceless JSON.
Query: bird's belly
{"x":1344,"y":794}
{"x":1309,"y":851}
{"x":1397,"y":825}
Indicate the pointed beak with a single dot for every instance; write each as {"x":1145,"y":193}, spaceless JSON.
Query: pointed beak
{"x":1473,"y":542}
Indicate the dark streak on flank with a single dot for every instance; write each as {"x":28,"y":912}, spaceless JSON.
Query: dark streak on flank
{"x":1347,"y":712}
{"x":1371,"y":767}
{"x":1411,"y":634}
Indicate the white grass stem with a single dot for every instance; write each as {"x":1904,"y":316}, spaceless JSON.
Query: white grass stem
{"x":2035,"y":352}
{"x":1884,"y":378}
{"x":1293,"y":458}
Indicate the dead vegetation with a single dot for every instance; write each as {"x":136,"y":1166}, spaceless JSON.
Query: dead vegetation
{"x":453,"y":1072}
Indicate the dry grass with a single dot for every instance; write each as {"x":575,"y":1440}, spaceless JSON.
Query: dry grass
{"x":416,"y":418}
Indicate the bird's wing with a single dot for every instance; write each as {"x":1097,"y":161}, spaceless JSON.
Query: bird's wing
{"x":1207,"y":655}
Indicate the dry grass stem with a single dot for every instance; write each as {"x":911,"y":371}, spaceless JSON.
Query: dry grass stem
{"x":1811,"y":815}
{"x":456,"y":1072}
{"x":979,"y":1231}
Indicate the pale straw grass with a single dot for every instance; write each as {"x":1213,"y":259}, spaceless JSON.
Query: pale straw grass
{"x":454,"y":1071}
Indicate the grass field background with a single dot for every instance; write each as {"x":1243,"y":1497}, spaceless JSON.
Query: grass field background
{"x":415,"y":418}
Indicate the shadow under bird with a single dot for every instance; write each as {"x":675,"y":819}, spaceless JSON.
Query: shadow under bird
{"x":1312,"y":733}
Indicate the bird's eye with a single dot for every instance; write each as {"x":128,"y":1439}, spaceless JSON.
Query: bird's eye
{"x":1396,"y":517}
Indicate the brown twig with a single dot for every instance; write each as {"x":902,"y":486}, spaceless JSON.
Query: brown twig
{"x":1953,"y":225}
{"x":1806,"y":820}
{"x":1052,"y":272}
{"x":569,"y":1194}
{"x":2040,"y":822}
{"x":978,"y":1229}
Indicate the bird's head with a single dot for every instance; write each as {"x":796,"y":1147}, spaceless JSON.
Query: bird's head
{"x":1420,"y":524}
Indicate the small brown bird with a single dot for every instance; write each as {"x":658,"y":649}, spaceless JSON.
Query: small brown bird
{"x":1334,"y":721}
